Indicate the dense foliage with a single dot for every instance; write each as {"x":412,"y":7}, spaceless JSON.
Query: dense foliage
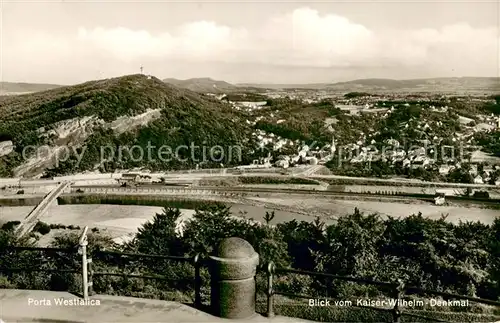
{"x":186,"y":118}
{"x":276,"y":180}
{"x":245,"y":97}
{"x":352,"y":95}
{"x":493,"y":107}
{"x":434,"y":254}
{"x":490,"y":141}
{"x":301,"y":121}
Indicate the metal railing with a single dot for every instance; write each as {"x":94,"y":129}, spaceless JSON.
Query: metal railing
{"x":399,"y":289}
{"x":88,"y":273}
{"x":195,"y":261}
{"x":86,"y":265}
{"x":38,"y":269}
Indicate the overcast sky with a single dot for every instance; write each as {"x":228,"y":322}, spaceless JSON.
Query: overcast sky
{"x":68,"y":42}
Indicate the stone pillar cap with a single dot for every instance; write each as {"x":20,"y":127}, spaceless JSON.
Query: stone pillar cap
{"x":234,"y":248}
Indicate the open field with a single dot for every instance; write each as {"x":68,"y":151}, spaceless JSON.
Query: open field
{"x":117,"y":221}
{"x":330,"y":209}
{"x":286,"y":187}
{"x":481,"y":157}
{"x":455,"y":191}
{"x":122,"y":221}
{"x":122,"y":218}
{"x":369,"y":181}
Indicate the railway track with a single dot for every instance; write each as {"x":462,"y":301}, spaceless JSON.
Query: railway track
{"x":253,"y":190}
{"x":173,"y":190}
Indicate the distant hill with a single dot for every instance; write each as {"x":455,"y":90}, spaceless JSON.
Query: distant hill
{"x":202,"y":85}
{"x":208,"y":85}
{"x":432,"y":84}
{"x":8,"y":88}
{"x":449,"y":84}
{"x":133,"y":110}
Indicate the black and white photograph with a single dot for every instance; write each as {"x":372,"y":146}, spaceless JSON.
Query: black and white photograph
{"x":178,"y":161}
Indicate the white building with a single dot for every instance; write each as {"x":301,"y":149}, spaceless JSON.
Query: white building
{"x":445,"y":169}
{"x":439,"y":200}
{"x":478,"y":180}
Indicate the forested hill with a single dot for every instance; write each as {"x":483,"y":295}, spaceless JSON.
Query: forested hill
{"x":19,"y":88}
{"x":442,"y":84}
{"x":124,"y":111}
{"x":203,"y":85}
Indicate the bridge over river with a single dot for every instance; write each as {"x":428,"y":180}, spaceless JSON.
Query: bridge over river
{"x":31,"y":219}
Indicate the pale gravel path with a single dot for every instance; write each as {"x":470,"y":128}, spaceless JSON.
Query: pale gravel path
{"x":16,"y":307}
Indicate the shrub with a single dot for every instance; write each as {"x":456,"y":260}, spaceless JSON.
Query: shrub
{"x":11,"y":225}
{"x":276,"y":180}
{"x":481,"y":194}
{"x":42,"y":228}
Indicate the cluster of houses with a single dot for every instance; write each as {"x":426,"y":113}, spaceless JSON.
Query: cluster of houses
{"x":363,"y":150}
{"x":303,"y":153}
{"x":248,"y":106}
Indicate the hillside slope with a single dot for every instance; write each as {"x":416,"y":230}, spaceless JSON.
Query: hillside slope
{"x":432,"y":84}
{"x":9,"y":88}
{"x":445,"y":84}
{"x":111,"y":113}
{"x":203,"y":85}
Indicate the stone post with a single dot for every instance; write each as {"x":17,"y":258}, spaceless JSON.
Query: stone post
{"x":232,"y":268}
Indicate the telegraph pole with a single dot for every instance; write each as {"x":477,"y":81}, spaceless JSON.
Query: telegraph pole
{"x":83,"y":242}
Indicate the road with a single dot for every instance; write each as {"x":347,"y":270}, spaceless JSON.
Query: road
{"x":310,"y":172}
